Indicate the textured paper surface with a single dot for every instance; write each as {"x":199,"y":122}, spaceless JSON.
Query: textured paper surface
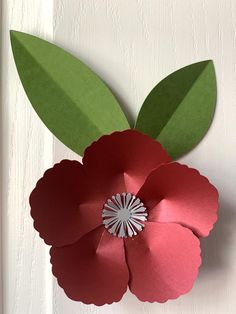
{"x":179,"y":194}
{"x":163,"y":261}
{"x":93,"y":266}
{"x":71,"y":100}
{"x":78,"y":108}
{"x":179,"y":110}
{"x":93,"y":269}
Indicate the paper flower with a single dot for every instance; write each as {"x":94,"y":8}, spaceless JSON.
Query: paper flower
{"x":127,"y":216}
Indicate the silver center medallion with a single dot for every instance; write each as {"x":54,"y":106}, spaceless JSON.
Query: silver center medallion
{"x":123,"y":215}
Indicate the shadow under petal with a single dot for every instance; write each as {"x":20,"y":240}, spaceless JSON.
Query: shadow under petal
{"x":215,"y":248}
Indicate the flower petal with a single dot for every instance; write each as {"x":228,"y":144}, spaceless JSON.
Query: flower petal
{"x":59,"y":208}
{"x":93,"y":270}
{"x":176,"y":193}
{"x":163,"y":261}
{"x":128,"y":156}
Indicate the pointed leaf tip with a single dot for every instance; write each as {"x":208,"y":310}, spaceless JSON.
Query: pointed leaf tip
{"x":71,"y":100}
{"x":179,"y":110}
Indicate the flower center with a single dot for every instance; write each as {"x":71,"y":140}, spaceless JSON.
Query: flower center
{"x":123,"y":215}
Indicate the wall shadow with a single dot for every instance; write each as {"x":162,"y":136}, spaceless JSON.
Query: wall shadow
{"x":215,"y":248}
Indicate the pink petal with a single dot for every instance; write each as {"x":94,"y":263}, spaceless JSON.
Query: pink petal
{"x":126,"y":156}
{"x":93,"y":270}
{"x":163,"y":261}
{"x":59,"y":207}
{"x":176,"y":193}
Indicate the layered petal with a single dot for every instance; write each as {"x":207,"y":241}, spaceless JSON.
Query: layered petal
{"x":176,"y":193}
{"x":93,"y":270}
{"x":125,"y":158}
{"x":61,"y":205}
{"x":163,"y":261}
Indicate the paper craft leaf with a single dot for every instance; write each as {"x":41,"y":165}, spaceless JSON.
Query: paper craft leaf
{"x":179,"y":110}
{"x":71,"y":100}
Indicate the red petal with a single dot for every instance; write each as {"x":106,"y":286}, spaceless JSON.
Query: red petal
{"x":58,"y":206}
{"x":163,"y":261}
{"x":93,"y":270}
{"x":126,"y":156}
{"x":176,"y":193}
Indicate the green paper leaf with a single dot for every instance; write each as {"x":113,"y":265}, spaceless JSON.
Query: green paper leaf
{"x":179,"y":110}
{"x":71,"y":100}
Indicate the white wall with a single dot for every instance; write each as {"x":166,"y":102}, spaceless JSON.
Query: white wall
{"x":132,"y":45}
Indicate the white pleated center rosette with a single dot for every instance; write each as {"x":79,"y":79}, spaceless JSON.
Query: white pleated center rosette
{"x":123,"y":215}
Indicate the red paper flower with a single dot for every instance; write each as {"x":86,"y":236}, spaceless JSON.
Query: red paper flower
{"x":156,"y":208}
